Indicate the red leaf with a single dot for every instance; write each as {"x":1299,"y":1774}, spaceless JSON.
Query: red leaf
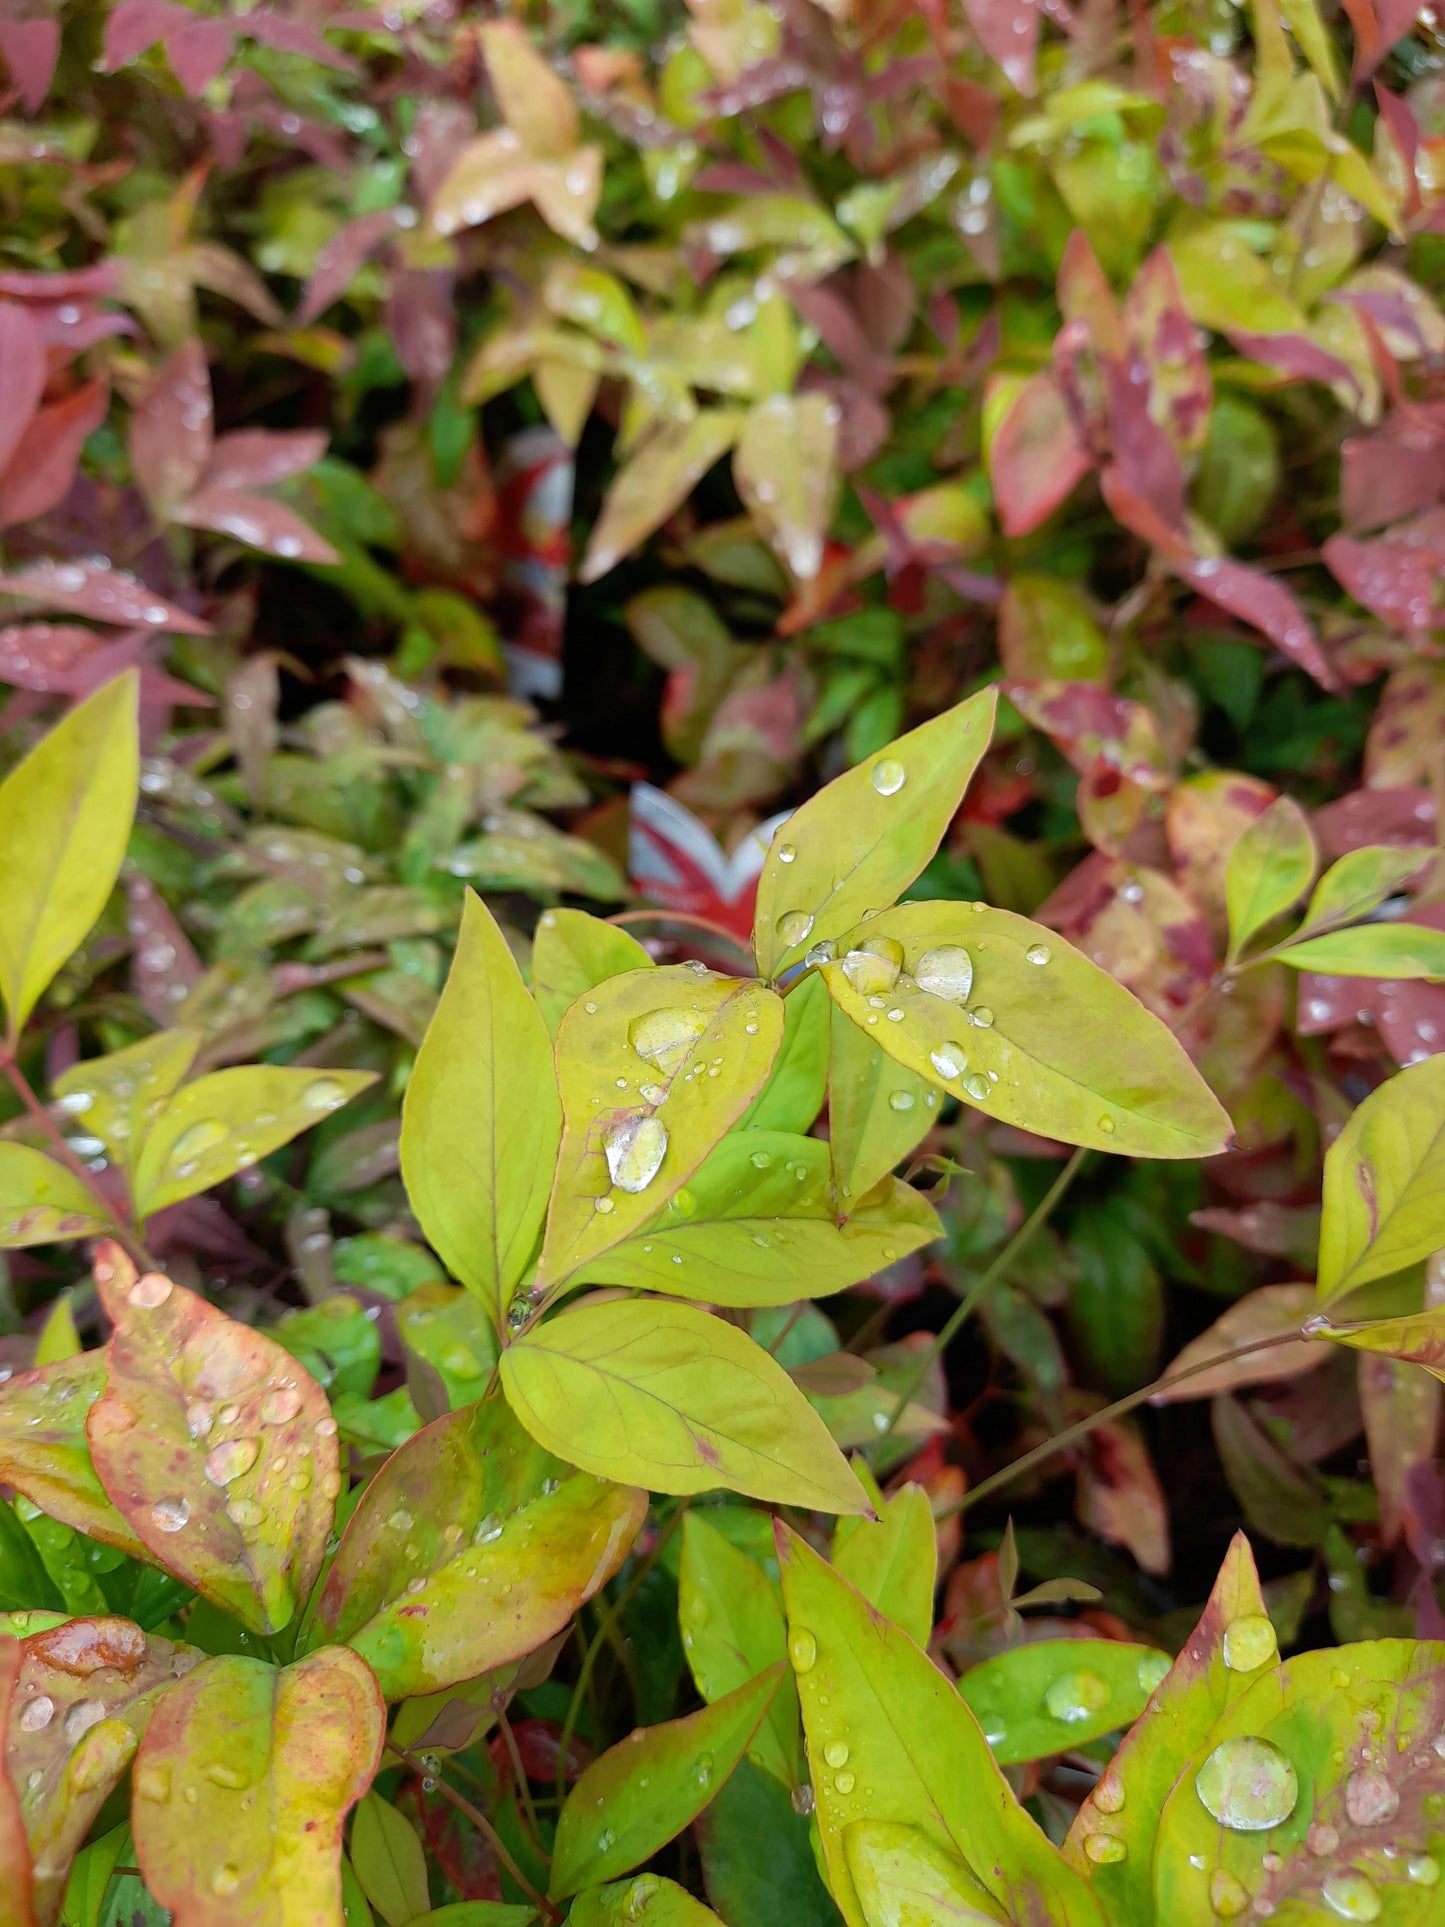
{"x":170,"y":430}
{"x":1396,"y":576}
{"x":291,"y":37}
{"x":1404,"y":819}
{"x":31,"y":49}
{"x":198,"y":52}
{"x":69,"y":285}
{"x":1088,"y":724}
{"x":135,"y":25}
{"x":100,"y":592}
{"x":1295,"y":355}
{"x":339,"y":260}
{"x":258,"y":457}
{"x":1037,"y":458}
{"x":22,"y":375}
{"x":42,"y":655}
{"x":163,"y":964}
{"x":43,"y":466}
{"x":257,"y":522}
{"x":1392,"y":474}
{"x":1009,"y":30}
{"x":1265,"y":604}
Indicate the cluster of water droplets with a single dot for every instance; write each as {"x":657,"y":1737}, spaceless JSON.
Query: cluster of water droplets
{"x":208,"y":1134}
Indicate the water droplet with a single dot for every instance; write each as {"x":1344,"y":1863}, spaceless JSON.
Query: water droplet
{"x":152,"y":1781}
{"x":1076,"y":1696}
{"x":150,"y":1290}
{"x":1151,"y":1670}
{"x":976,"y":1086}
{"x":604,"y":1205}
{"x":1322,"y":1840}
{"x":204,"y":1136}
{"x":199,"y":1418}
{"x":635,"y":1146}
{"x":1104,"y":1849}
{"x":1351,"y":1896}
{"x":1227,"y":1894}
{"x":786,"y":853}
{"x":664,"y":1037}
{"x":887,"y":776}
{"x":606,"y":1840}
{"x":803,"y":1800}
{"x":1247,"y":1784}
{"x":323,"y":1095}
{"x":230,"y":1459}
{"x":945,"y":972}
{"x":844,"y":1783}
{"x":795,"y":927}
{"x":836,"y":1753}
{"x":170,"y":1515}
{"x":226,"y":1879}
{"x":1037,"y":953}
{"x":221,"y":1773}
{"x":949,"y":1060}
{"x":281,"y":1406}
{"x":900,"y":1100}
{"x":37,"y":1715}
{"x":1106,"y":1125}
{"x":1109,"y":1793}
{"x":1370,"y":1799}
{"x":803,"y":1650}
{"x":874,"y":968}
{"x":244,"y":1512}
{"x":1249,"y":1643}
{"x":1423,"y":1869}
{"x":820,"y":953}
{"x":638,"y":1894}
{"x":760,"y":1160}
{"x":81,"y":1717}
{"x":980,"y":1015}
{"x":703,"y":1769}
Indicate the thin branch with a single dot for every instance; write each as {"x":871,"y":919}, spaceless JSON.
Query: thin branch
{"x":483,"y":1825}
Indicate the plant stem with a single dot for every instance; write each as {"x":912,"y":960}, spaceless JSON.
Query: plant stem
{"x":123,"y":1234}
{"x":973,"y":1297}
{"x":524,"y":1790}
{"x":483,"y":1825}
{"x":1061,"y":1441}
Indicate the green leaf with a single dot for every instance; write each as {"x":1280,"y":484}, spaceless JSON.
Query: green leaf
{"x":863,"y":838}
{"x":90,"y":1878}
{"x":878,"y":1110}
{"x":1270,"y":867}
{"x":44,"y":1452}
{"x":757,"y":1859}
{"x":469,"y":1548}
{"x":1359,"y":883}
{"x":215,"y":1445}
{"x":389,"y":1862}
{"x":58,"y":1337}
{"x":890,"y":1741}
{"x":119,"y":1094}
{"x":228,"y":1121}
{"x":1384,"y":1184}
{"x":893,"y":1561}
{"x":653,"y":1069}
{"x":758,"y":1225}
{"x":243,"y":1782}
{"x":793,"y":1095}
{"x":571,"y":954}
{"x":481,"y":1122}
{"x":1372,"y":950}
{"x":1056,"y":1694}
{"x":668,"y":1397}
{"x":899,"y":1874}
{"x":23,"y":1578}
{"x":732,"y":1630}
{"x":651,"y":1785}
{"x":1287,"y":1803}
{"x":41,"y":1201}
{"x":1035,"y":1034}
{"x":646,"y":1901}
{"x":476,"y":1913}
{"x":65,"y":817}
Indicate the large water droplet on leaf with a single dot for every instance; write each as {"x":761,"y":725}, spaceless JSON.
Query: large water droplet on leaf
{"x":836,"y":1753}
{"x":635,"y":1146}
{"x":1227,"y":1894}
{"x":1152,"y":1668}
{"x":1247,"y":1784}
{"x":1109,"y":1793}
{"x":976,"y":1086}
{"x":152,"y":1781}
{"x":226,"y":1879}
{"x":150,"y":1291}
{"x":1370,"y":1799}
{"x":170,"y":1515}
{"x":1249,"y":1643}
{"x":37,"y":1714}
{"x":280,"y":1406}
{"x":795,"y":927}
{"x":204,"y":1136}
{"x":873,"y":969}
{"x":664,"y":1037}
{"x":1351,"y":1895}
{"x":900,"y":1100}
{"x":1104,"y":1849}
{"x":949,"y":1060}
{"x":1038,"y":953}
{"x":81,"y":1717}
{"x":844,"y":1783}
{"x":230,"y":1459}
{"x":945,"y":972}
{"x":803,"y":1650}
{"x":1076,"y":1696}
{"x":324,"y":1094}
{"x":1423,"y":1869}
{"x":888,"y":776}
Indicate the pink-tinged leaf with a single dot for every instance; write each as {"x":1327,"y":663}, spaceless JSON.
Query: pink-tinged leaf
{"x":163,"y":964}
{"x":1396,"y":577}
{"x":1270,"y":1312}
{"x":1402,"y":749}
{"x":1399,"y":819}
{"x":30,"y":49}
{"x":17,"y":1886}
{"x":22,"y":375}
{"x":292,"y":37}
{"x":1296,"y":356}
{"x":1119,"y":1496}
{"x":271,"y":1761}
{"x":341,"y":260}
{"x":44,"y":463}
{"x":103,"y":594}
{"x":421,"y":320}
{"x":44,"y":656}
{"x":1393,"y":473}
{"x":1206,"y":816}
{"x":261,"y":457}
{"x":1162,"y":337}
{"x":1009,"y":31}
{"x":84,"y":1694}
{"x":135,"y":25}
{"x":471,"y":1547}
{"x":1084,"y":296}
{"x":1265,"y":604}
{"x":44,"y":1452}
{"x":258,"y":522}
{"x":1037,"y":457}
{"x":198,"y":52}
{"x":1086,"y":723}
{"x":171,"y":429}
{"x":1275,"y":1230}
{"x":68,"y":328}
{"x":67,"y":284}
{"x":1144,"y":459}
{"x":1401,"y":1406}
{"x":215,"y":1444}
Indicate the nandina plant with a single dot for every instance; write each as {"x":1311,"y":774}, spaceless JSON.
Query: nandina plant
{"x":244,"y":1622}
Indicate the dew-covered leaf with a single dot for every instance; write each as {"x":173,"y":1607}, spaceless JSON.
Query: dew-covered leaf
{"x":862,"y":839}
{"x":242,"y":1784}
{"x":648,"y":1787}
{"x":891,"y":1742}
{"x":42,"y":1201}
{"x":572,"y":953}
{"x":1053,"y":1695}
{"x":1269,"y":1312}
{"x":481,"y":1121}
{"x":646,"y":1901}
{"x":900,"y":1874}
{"x":893,"y":1560}
{"x":793,"y":1095}
{"x":732,"y":1630}
{"x":1021,"y":1024}
{"x":44,"y":1452}
{"x":758,"y":1225}
{"x":671,"y":1398}
{"x":1270,"y":867}
{"x":65,"y":815}
{"x":1372,"y":950}
{"x":100,"y":592}
{"x":470,"y":1547}
{"x":878,"y":1110}
{"x":1384,"y":1185}
{"x":17,"y":1884}
{"x":653,"y":1069}
{"x":786,"y":470}
{"x":215,"y":1444}
{"x":227,"y":1121}
{"x":118,"y":1094}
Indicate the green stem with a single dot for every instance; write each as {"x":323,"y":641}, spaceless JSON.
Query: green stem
{"x":984,"y":1284}
{"x":483,"y":1825}
{"x":524,"y":1790}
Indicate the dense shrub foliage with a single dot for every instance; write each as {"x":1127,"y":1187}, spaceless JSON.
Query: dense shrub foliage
{"x":721,"y":766}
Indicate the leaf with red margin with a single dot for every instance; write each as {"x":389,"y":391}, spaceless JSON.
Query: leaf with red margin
{"x":44,"y":1452}
{"x":1085,"y":723}
{"x":1037,"y":457}
{"x":17,"y":1887}
{"x":272,"y":1759}
{"x":216,"y":1446}
{"x":171,"y":430}
{"x":85,"y":1691}
{"x":42,"y":469}
{"x":22,"y":375}
{"x":1265,"y":604}
{"x":1161,"y":334}
{"x":1402,"y":749}
{"x":471,"y":1546}
{"x":103,"y":594}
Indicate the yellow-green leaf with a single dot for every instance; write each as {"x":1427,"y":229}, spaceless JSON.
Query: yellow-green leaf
{"x":646,"y":1901}
{"x":878,"y":1110}
{"x":653,"y":1069}
{"x":242,"y":1784}
{"x":900,"y":1875}
{"x":1372,"y":950}
{"x":893,"y":1561}
{"x":1359,"y":883}
{"x":389,"y":1862}
{"x":862,"y":839}
{"x":1384,"y":1187}
{"x":45,"y":1454}
{"x":656,"y":478}
{"x":1418,"y":1338}
{"x":1270,"y":867}
{"x":572,"y":953}
{"x":65,"y":815}
{"x":481,"y":1121}
{"x":1052,"y":1695}
{"x":668,"y":1397}
{"x":646,"y":1789}
{"x":793,"y":1095}
{"x":732,"y":1629}
{"x":41,"y":1201}
{"x":758,"y":1225}
{"x":1022,"y":1025}
{"x":228,"y":1121}
{"x":117,"y":1096}
{"x":786,"y":470}
{"x":58,"y":1337}
{"x":17,"y":1884}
